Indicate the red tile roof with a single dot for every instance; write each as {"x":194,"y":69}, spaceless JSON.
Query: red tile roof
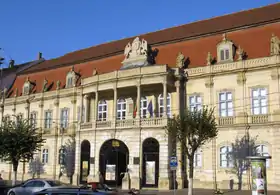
{"x":250,"y":29}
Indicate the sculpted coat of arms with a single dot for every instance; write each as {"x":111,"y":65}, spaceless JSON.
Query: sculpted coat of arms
{"x":136,"y":49}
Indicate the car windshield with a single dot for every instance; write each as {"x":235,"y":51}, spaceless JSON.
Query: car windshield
{"x":56,"y":183}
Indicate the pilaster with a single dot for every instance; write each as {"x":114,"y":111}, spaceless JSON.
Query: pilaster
{"x":164,"y":176}
{"x":138,"y":106}
{"x":55,"y":129}
{"x":164,"y":83}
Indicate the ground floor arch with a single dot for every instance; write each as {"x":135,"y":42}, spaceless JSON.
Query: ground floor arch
{"x":150,"y":165}
{"x":113,"y":161}
{"x":85,"y":161}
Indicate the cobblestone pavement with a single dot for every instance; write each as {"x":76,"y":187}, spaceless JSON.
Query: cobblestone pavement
{"x":200,"y":192}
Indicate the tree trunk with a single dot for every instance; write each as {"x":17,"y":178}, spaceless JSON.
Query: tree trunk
{"x":190,"y":186}
{"x":15,"y":167}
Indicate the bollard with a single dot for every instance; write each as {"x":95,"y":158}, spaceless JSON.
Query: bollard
{"x":258,"y":172}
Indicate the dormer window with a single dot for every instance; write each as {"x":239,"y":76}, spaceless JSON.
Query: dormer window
{"x":225,"y":50}
{"x":71,"y":78}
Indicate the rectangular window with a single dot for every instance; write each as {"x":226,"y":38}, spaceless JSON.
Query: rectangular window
{"x":197,"y":159}
{"x":33,"y":119}
{"x":225,"y":157}
{"x":48,"y":119}
{"x":195,"y":102}
{"x":259,"y":101}
{"x":64,"y":115}
{"x":222,"y":53}
{"x":225,"y":104}
{"x":69,"y":82}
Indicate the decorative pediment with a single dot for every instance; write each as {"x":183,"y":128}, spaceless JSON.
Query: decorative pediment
{"x":225,"y":50}
{"x":136,"y":54}
{"x":274,"y":45}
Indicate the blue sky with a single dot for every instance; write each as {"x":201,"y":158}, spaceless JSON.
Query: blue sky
{"x":56,"y":27}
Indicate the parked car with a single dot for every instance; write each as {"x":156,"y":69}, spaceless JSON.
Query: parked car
{"x":34,"y":185}
{"x":99,"y":187}
{"x":69,"y":191}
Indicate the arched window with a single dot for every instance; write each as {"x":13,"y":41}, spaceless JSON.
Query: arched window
{"x":225,"y":160}
{"x":61,"y":156}
{"x":45,"y":156}
{"x":144,"y":107}
{"x":121,"y":109}
{"x":161,"y":106}
{"x":262,"y":150}
{"x":102,"y":110}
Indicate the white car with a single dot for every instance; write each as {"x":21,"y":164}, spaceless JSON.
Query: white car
{"x":34,"y":185}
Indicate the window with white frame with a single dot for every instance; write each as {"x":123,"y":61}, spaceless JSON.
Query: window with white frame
{"x":144,"y":107}
{"x":33,"y":119}
{"x":259,"y":101}
{"x":225,"y":160}
{"x":195,"y":102}
{"x":224,"y":54}
{"x":70,"y":79}
{"x":161,"y":105}
{"x":197,"y":159}
{"x":81,"y":114}
{"x":225,"y":104}
{"x":262,"y":150}
{"x":45,"y":156}
{"x":48,"y":119}
{"x":102,"y":110}
{"x":121,"y":109}
{"x":64,"y":118}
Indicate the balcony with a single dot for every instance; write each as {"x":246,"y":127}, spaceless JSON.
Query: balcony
{"x":128,"y":123}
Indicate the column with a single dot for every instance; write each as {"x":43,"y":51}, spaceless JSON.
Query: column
{"x":73,"y":127}
{"x":96,"y":107}
{"x":164,"y":99}
{"x":86,"y":97}
{"x":115,"y":103}
{"x":138,"y":103}
{"x":178,"y":95}
{"x":56,"y":120}
{"x":164,"y":179}
{"x":76,"y":175}
{"x":1,"y":113}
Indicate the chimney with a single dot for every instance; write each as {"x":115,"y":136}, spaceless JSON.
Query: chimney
{"x":40,"y":56}
{"x":11,"y":63}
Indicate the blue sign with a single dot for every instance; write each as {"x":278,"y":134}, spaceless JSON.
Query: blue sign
{"x":173,"y":163}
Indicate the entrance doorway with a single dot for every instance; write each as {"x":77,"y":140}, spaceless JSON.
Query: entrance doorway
{"x":113,"y":161}
{"x":85,"y":161}
{"x":150,"y":165}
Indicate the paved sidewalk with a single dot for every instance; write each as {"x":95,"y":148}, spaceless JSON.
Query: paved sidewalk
{"x":201,"y":192}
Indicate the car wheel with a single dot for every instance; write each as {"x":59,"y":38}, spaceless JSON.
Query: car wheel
{"x":11,"y":193}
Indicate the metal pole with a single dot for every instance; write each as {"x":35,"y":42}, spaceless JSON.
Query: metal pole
{"x":174,"y":182}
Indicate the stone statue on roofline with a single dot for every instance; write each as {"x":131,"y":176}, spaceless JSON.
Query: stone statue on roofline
{"x":240,"y":53}
{"x":180,"y":60}
{"x":45,"y":82}
{"x":274,"y":45}
{"x":209,"y":59}
{"x":58,"y":85}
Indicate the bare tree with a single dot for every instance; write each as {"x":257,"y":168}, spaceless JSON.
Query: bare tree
{"x":240,"y":149}
{"x":68,"y":165}
{"x":36,"y":167}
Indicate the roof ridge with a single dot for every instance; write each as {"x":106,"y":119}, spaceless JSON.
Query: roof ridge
{"x":176,"y":26}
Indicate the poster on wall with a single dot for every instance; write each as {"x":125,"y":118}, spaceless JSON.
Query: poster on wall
{"x":84,"y":170}
{"x":110,"y":173}
{"x":150,"y":172}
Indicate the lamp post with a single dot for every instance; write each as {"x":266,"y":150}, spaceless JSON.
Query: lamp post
{"x":258,"y":171}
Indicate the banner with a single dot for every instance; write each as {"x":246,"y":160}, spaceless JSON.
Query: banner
{"x":110,"y":173}
{"x":150,"y":172}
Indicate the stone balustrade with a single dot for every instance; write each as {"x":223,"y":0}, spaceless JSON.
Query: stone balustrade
{"x":128,"y":123}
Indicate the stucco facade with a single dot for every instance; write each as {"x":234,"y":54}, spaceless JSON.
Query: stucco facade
{"x":131,"y":102}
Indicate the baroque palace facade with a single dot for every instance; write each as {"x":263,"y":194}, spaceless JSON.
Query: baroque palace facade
{"x":117,"y":106}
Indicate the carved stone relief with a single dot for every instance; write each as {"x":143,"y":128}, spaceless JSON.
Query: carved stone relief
{"x":209,"y":82}
{"x":241,"y":78}
{"x":274,"y":74}
{"x":136,"y":53}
